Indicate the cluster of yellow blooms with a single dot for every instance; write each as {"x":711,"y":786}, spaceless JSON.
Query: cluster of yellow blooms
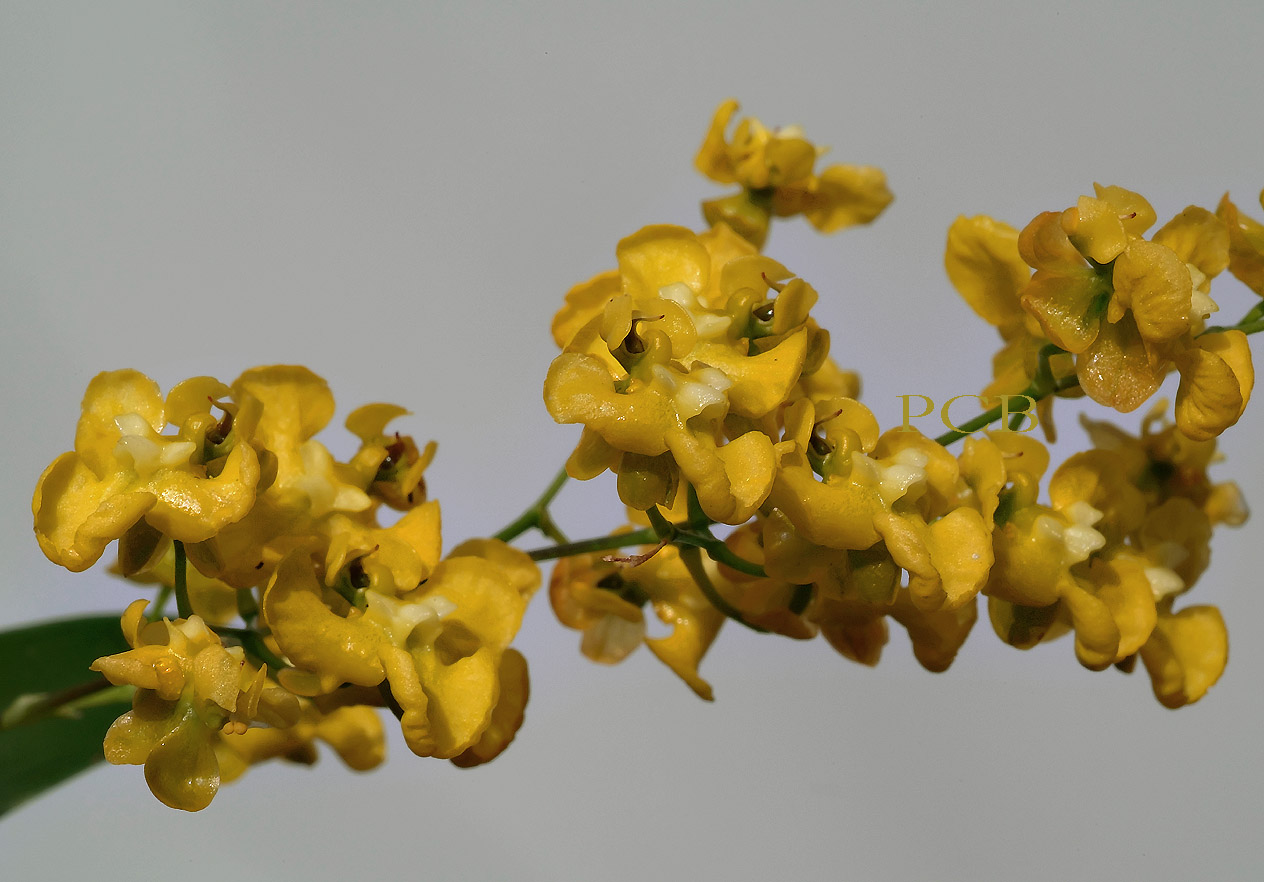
{"x":351,"y":614}
{"x":703,"y":383}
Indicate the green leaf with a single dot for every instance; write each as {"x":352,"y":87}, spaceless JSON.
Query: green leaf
{"x":47,"y":658}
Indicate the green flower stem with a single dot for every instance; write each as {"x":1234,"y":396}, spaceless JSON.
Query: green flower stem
{"x":1251,"y":323}
{"x":720,"y":553}
{"x":154,"y":610}
{"x":692,"y":557}
{"x":252,"y":641}
{"x":183,"y":608}
{"x":537,"y":515}
{"x":1246,"y":327}
{"x":1042,"y":386}
{"x":691,"y":545}
{"x":646,"y":536}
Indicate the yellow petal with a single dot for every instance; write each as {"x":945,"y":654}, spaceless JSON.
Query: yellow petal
{"x":518,"y":570}
{"x":193,"y":397}
{"x":1116,"y":369}
{"x":77,"y":515}
{"x":355,"y":733}
{"x":760,"y":382}
{"x":368,"y":422}
{"x":592,"y":456}
{"x":1133,"y":211}
{"x":1246,"y":245}
{"x":1121,"y":584}
{"x":1186,"y":655}
{"x":1023,"y":626}
{"x":314,"y":637}
{"x":985,"y":267}
{"x":1094,"y":228}
{"x":856,"y":630}
{"x":191,"y":508}
{"x":936,"y":635}
{"x":134,"y":735}
{"x":713,"y":158}
{"x":507,"y":716}
{"x":742,"y":213}
{"x":583,"y":303}
{"x":110,"y":395}
{"x":660,"y":255}
{"x":458,"y":667}
{"x":579,"y":389}
{"x":1097,"y":635}
{"x":1156,"y":284}
{"x":961,"y":552}
{"x":983,"y":469}
{"x":1199,"y":237}
{"x":732,"y":480}
{"x":1217,"y":377}
{"x":1067,"y":307}
{"x":838,"y":513}
{"x":847,"y":195}
{"x":1100,"y":478}
{"x":181,"y":769}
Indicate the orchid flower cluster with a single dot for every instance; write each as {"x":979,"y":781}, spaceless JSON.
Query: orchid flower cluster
{"x":700,"y":379}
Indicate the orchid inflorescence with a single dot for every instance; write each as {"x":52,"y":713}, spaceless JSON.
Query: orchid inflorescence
{"x":702,"y":382}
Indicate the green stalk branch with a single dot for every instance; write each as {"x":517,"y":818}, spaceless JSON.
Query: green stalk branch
{"x":252,"y":641}
{"x":646,"y":536}
{"x":155,"y":609}
{"x":692,"y":557}
{"x":1251,"y":323}
{"x":537,"y":515}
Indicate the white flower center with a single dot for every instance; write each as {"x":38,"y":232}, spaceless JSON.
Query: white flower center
{"x":708,"y":324}
{"x":904,"y":474}
{"x":1078,"y":537}
{"x":400,"y":618}
{"x":148,"y":451}
{"x":1164,"y":582}
{"x":703,"y":389}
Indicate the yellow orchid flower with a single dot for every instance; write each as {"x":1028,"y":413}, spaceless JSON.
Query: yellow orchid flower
{"x":189,"y":688}
{"x":1186,"y":654}
{"x":1111,"y":575}
{"x":355,"y":734}
{"x":1217,"y":376}
{"x":593,"y":596}
{"x":1164,"y":463}
{"x":280,"y":410}
{"x":775,"y":169}
{"x":686,"y":344}
{"x":388,"y":560}
{"x":124,"y":469}
{"x":1046,"y":561}
{"x":440,"y":645}
{"x":851,"y":595}
{"x":900,"y":488}
{"x":390,"y":467}
{"x":604,"y":601}
{"x":984,"y":265}
{"x":1131,"y":309}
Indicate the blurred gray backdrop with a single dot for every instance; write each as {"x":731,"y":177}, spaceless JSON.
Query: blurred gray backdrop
{"x":398,"y":195}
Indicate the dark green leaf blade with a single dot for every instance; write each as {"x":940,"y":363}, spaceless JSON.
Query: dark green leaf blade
{"x":50,"y":657}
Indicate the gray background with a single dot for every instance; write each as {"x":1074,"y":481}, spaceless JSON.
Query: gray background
{"x":399,"y":195}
